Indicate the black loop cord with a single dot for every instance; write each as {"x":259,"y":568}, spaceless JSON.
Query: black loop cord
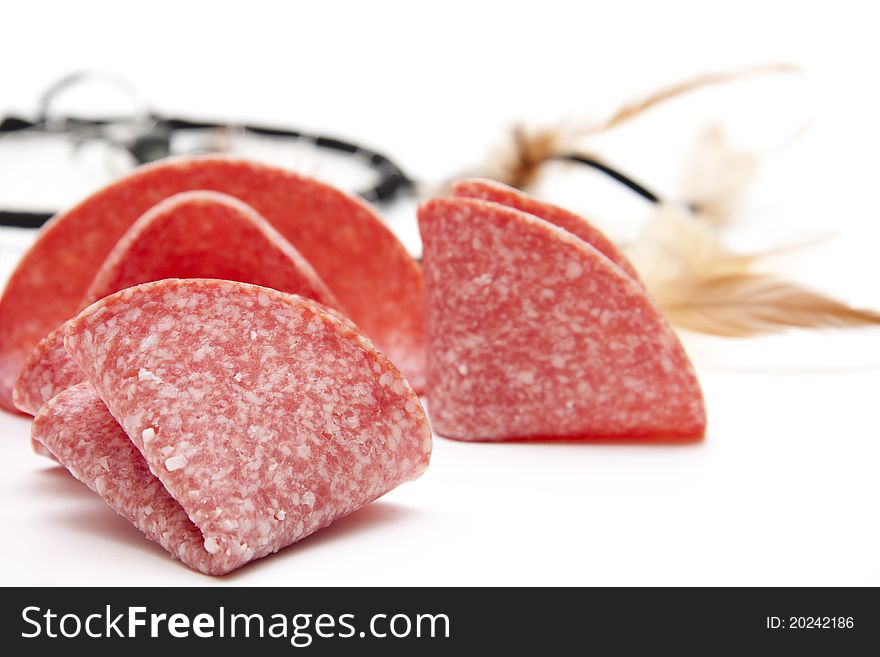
{"x":392,"y":180}
{"x":23,"y":219}
{"x":157,"y":144}
{"x":614,"y":174}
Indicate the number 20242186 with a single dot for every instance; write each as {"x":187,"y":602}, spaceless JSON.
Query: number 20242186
{"x":810,"y":623}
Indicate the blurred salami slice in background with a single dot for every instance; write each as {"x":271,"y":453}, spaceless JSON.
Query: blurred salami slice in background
{"x":189,"y":235}
{"x":354,"y":253}
{"x":206,"y":235}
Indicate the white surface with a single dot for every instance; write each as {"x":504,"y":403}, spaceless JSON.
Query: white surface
{"x":783,"y":490}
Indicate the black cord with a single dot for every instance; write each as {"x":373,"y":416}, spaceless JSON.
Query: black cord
{"x":391,"y":183}
{"x":392,"y":179}
{"x":156,"y":144}
{"x":22,"y":219}
{"x":626,"y":181}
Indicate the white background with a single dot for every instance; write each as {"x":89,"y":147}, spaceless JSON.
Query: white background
{"x":784,"y":489}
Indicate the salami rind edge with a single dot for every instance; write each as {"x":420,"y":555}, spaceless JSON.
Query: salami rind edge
{"x":263,"y":415}
{"x":535,"y":334}
{"x":355,"y":254}
{"x":496,"y":192}
{"x":206,"y":235}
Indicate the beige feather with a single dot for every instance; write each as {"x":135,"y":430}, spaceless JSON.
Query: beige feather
{"x":518,"y":160}
{"x":699,"y":283}
{"x":703,"y":286}
{"x":636,"y":108}
{"x":676,"y":243}
{"x":715,"y":176}
{"x":749,"y":303}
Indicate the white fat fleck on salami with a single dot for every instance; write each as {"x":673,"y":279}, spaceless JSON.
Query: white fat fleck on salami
{"x":309,"y":433}
{"x":176,"y":463}
{"x":146,"y":375}
{"x":562,"y":344}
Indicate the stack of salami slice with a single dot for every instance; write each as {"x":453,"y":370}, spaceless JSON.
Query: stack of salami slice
{"x":230,"y":354}
{"x":200,"y":343}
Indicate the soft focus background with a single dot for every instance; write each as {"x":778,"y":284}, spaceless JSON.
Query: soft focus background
{"x":784,"y":490}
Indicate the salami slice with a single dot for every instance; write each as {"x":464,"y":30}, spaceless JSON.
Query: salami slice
{"x":77,"y":429}
{"x":206,"y":235}
{"x":38,"y":448}
{"x":264,"y":416}
{"x":355,"y":254}
{"x":46,"y":372}
{"x":533,"y":333}
{"x":489,"y":190}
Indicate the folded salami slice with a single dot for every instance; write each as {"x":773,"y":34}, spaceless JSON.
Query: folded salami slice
{"x":263,"y":415}
{"x":77,"y":429}
{"x":206,"y":235}
{"x":533,"y":333}
{"x":490,"y":190}
{"x":355,"y":254}
{"x":46,"y":372}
